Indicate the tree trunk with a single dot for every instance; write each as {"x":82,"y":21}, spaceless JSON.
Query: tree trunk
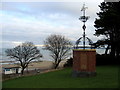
{"x":118,"y":52}
{"x":57,"y":64}
{"x":27,"y":69}
{"x":112,"y":53}
{"x":22,"y":71}
{"x":107,"y":50}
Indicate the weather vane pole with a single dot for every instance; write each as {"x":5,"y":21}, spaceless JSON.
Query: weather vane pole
{"x":84,"y":19}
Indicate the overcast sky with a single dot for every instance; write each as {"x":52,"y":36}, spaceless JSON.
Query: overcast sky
{"x":34,"y":21}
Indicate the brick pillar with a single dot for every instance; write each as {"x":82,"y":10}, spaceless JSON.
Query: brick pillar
{"x":84,"y":62}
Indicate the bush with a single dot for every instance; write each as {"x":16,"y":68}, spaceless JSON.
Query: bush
{"x":105,"y":60}
{"x":69,"y":63}
{"x":100,"y":60}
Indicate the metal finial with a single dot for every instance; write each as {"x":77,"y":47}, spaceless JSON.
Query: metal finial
{"x":83,"y":18}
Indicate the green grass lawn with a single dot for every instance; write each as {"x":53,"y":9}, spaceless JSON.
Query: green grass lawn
{"x":107,"y":77}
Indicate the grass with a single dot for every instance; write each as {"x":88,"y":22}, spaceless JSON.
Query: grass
{"x":107,"y":77}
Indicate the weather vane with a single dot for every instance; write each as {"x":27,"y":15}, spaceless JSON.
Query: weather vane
{"x":83,"y":18}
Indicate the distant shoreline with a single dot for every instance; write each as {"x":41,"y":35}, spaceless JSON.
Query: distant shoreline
{"x":34,"y":64}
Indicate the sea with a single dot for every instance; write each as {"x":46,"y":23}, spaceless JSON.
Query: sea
{"x":45,"y":53}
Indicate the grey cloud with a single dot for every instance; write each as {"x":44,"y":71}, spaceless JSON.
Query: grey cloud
{"x":35,"y":21}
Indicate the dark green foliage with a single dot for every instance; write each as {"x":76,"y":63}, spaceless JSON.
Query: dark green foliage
{"x":105,"y":60}
{"x":108,"y":24}
{"x":69,"y":63}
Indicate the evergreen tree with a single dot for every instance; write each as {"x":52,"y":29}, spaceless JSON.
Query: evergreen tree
{"x":108,"y":24}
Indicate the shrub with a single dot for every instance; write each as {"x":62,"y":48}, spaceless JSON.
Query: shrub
{"x":69,"y":63}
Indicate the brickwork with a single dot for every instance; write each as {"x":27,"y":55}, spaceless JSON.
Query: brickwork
{"x":84,"y":60}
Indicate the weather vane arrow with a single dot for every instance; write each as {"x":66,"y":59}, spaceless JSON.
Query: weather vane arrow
{"x":84,"y":8}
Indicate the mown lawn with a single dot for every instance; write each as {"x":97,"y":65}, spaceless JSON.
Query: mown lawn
{"x":107,"y":77}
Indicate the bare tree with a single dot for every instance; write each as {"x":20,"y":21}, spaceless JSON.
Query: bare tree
{"x":59,"y":46}
{"x":24,"y":54}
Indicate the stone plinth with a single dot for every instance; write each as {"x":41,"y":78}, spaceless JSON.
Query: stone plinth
{"x":84,"y":62}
